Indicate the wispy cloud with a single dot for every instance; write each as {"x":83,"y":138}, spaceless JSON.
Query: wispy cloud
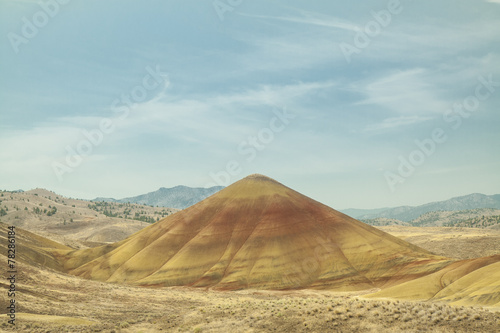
{"x":395,"y":122}
{"x":272,"y":94}
{"x":227,"y":79}
{"x":434,"y":42}
{"x":220,"y":117}
{"x":408,"y":92}
{"x":289,"y":52}
{"x":311,"y":18}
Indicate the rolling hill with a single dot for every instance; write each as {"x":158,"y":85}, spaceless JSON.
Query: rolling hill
{"x":68,"y":220}
{"x":30,"y":248}
{"x":465,"y":282}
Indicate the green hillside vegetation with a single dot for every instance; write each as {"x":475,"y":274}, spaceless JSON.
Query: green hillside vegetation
{"x":470,"y":218}
{"x":382,"y":221}
{"x":477,"y":222}
{"x":124,"y":211}
{"x":450,"y":218}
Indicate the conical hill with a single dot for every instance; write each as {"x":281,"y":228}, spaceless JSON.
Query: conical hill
{"x":257,"y":233}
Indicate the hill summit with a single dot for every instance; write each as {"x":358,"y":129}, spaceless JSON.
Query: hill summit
{"x":256,"y":233}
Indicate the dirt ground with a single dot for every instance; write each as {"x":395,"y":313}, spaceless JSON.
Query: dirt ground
{"x":48,"y":301}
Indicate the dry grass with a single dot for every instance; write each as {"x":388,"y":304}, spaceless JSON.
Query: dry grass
{"x":458,"y":243}
{"x":70,"y":304}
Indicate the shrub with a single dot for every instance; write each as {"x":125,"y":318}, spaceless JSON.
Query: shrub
{"x":124,"y":325}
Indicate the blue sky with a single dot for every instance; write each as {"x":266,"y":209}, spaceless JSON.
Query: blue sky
{"x":367,"y":105}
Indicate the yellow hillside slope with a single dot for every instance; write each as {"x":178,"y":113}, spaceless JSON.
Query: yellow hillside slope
{"x":31,"y":248}
{"x":480,"y":287}
{"x":465,"y":282}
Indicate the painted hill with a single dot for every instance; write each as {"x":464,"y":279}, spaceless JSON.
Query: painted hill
{"x":256,"y":233}
{"x":30,"y":248}
{"x":465,"y":282}
{"x":179,"y":197}
{"x":409,"y":213}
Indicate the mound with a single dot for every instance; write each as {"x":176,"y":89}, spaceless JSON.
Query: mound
{"x":256,"y":233}
{"x":465,"y":282}
{"x":30,"y":248}
{"x":480,"y":287}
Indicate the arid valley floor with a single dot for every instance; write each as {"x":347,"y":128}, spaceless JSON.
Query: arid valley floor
{"x":53,"y":302}
{"x":49,"y":300}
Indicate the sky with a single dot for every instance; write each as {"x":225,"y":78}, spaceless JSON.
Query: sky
{"x":357,"y":105}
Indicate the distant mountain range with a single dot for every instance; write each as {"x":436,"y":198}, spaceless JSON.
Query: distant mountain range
{"x":410,"y":213}
{"x":179,"y":197}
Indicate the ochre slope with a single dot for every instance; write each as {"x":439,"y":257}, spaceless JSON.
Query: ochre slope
{"x":257,"y":233}
{"x":464,"y":282}
{"x":31,"y":249}
{"x":480,"y":287}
